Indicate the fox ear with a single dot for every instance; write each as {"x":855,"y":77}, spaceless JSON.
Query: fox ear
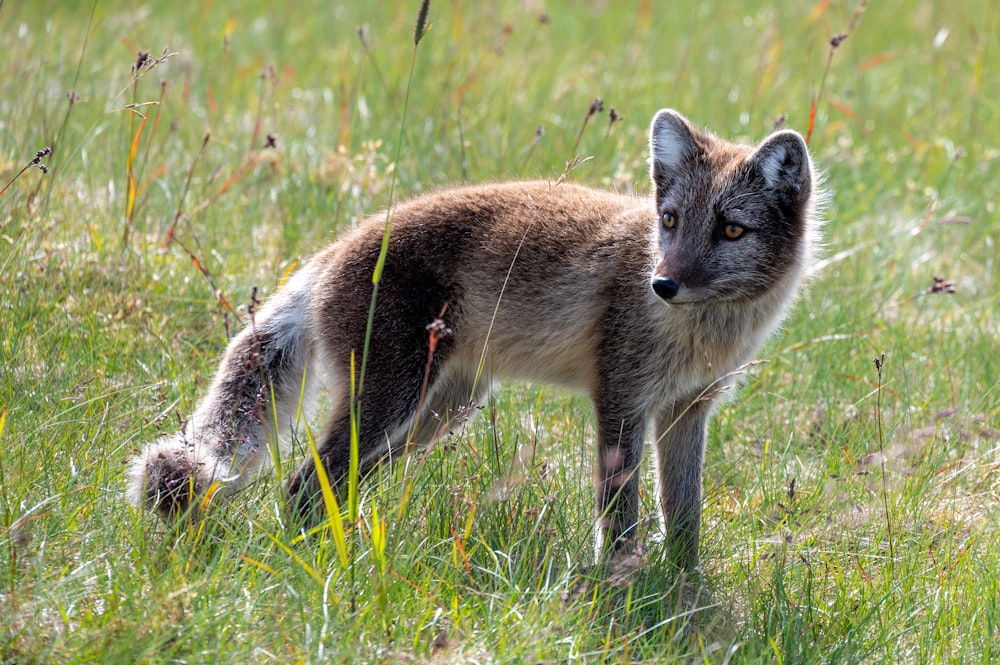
{"x":671,"y":144}
{"x":782,"y":160}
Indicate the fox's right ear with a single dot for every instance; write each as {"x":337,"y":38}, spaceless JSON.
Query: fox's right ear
{"x":671,"y":145}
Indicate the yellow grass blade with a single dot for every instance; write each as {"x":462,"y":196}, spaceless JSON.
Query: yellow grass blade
{"x":352,"y":468}
{"x":297,"y":559}
{"x":133,"y":149}
{"x":378,"y":536}
{"x":292,"y":265}
{"x":259,"y":564}
{"x":330,"y":505}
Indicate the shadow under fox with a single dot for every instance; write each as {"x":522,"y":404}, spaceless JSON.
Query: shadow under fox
{"x":649,"y":305}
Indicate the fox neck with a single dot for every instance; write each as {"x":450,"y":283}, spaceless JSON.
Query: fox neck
{"x":723,"y":335}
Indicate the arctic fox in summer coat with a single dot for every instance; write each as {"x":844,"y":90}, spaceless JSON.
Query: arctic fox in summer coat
{"x":649,"y":305}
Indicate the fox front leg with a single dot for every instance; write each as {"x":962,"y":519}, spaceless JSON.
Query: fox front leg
{"x":619,"y":452}
{"x":680,"y":447}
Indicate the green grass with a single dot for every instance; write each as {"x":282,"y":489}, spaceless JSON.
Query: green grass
{"x":108,"y":336}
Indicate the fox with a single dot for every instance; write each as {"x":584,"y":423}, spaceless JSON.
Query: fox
{"x":650,"y":304}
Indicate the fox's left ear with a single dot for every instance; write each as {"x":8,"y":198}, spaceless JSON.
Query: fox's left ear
{"x":782,"y":160}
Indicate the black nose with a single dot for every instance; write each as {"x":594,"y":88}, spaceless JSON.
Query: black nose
{"x":665,"y":287}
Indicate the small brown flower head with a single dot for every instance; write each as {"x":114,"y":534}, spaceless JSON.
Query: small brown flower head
{"x":596,"y":106}
{"x":614,"y":116}
{"x":941,"y":285}
{"x":879,"y":362}
{"x":438,"y":329}
{"x":837,"y":39}
{"x":37,"y":161}
{"x":143,"y":59}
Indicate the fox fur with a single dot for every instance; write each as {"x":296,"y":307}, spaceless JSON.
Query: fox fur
{"x":650,"y":305}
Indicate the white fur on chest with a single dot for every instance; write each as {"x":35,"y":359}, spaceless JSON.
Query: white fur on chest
{"x":702,"y":349}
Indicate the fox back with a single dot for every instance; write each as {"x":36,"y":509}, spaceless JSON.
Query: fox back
{"x":649,"y":305}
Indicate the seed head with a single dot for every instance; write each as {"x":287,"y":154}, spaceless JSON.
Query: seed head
{"x":420,"y":29}
{"x":142,"y":59}
{"x":37,"y":161}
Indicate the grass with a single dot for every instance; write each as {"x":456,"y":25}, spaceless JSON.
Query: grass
{"x":114,"y":312}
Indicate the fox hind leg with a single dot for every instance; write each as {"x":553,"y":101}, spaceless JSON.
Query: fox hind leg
{"x":392,"y":413}
{"x":455,"y":399}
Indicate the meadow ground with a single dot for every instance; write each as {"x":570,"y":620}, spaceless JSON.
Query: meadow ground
{"x":851,"y":514}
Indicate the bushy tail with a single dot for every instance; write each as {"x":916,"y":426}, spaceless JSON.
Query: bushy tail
{"x":258,"y":386}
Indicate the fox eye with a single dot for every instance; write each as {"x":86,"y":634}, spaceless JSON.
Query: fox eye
{"x":668,"y":219}
{"x":733,"y":231}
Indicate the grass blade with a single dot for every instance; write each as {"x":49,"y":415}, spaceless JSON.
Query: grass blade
{"x":330,"y":505}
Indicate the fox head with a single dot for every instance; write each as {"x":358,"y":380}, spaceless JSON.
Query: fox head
{"x":733,"y":221}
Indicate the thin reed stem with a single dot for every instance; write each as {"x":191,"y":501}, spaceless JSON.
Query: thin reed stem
{"x":879,"y":362}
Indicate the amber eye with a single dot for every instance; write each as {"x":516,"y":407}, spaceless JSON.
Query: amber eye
{"x":669,"y":220}
{"x":733,"y":231}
